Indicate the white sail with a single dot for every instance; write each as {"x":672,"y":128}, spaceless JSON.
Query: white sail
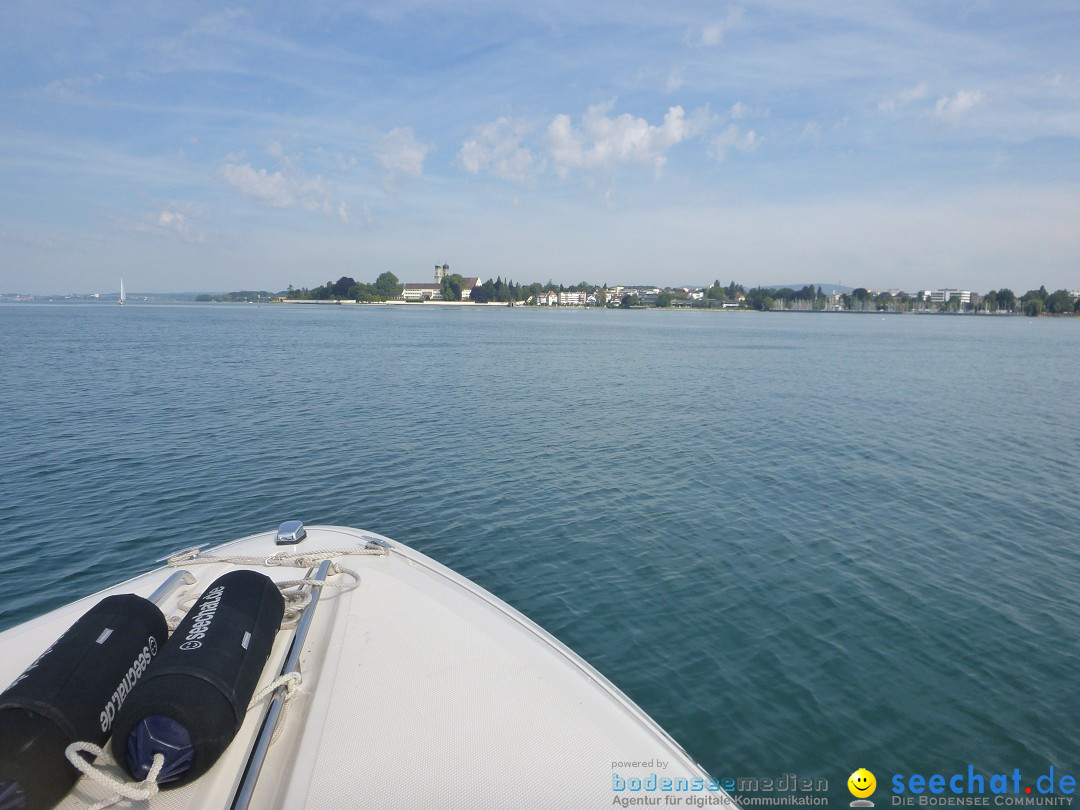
{"x":121,"y":301}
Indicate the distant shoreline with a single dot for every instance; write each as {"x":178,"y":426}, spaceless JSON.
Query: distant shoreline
{"x":504,"y":305}
{"x":350,"y":303}
{"x":45,"y":301}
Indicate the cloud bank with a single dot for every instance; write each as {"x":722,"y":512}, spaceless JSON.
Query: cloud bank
{"x":952,"y":108}
{"x":603,"y":141}
{"x":280,"y":189}
{"x":400,"y":151}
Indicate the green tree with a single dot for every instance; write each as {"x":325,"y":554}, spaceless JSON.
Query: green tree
{"x":664,"y":299}
{"x":1034,"y":306}
{"x":365,"y":294}
{"x":323,"y":293}
{"x":784,"y":294}
{"x":341,"y":287}
{"x":1006,"y":299}
{"x":601,"y":297}
{"x":1059,"y":302}
{"x":451,"y":287}
{"x":388,"y":287}
{"x":760,"y":298}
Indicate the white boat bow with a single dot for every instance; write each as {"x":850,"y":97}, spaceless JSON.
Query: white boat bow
{"x":417,"y":689}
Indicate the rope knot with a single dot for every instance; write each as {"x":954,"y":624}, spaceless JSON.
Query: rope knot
{"x":290,"y":681}
{"x":186,"y":555}
{"x":139,"y":791}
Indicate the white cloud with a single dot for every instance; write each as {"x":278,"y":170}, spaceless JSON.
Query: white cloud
{"x":399,"y":151}
{"x":204,"y":33}
{"x":740,"y":110}
{"x":218,"y":23}
{"x":732,"y":138}
{"x":674,"y":81}
{"x":713,"y":33}
{"x":811,"y":132}
{"x":173,"y":221}
{"x":891,"y":103}
{"x":167,"y":223}
{"x":73,"y":87}
{"x":497,"y":148}
{"x":280,"y":189}
{"x":603,"y":141}
{"x":952,"y":108}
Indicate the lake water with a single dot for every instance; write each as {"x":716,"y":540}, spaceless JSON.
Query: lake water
{"x":802,"y":542}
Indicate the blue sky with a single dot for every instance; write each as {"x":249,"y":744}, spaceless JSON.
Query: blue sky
{"x":190,"y":146}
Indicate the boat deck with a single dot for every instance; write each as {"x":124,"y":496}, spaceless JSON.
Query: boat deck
{"x":420,"y":689}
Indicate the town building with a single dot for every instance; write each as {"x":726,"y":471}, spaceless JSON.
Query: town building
{"x":433,"y":292}
{"x":422,"y":292}
{"x":948,"y":294}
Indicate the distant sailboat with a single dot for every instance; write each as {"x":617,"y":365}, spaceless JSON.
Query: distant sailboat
{"x":121,"y":301}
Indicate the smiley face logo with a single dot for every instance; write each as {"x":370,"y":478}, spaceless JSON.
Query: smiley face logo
{"x":861,"y":783}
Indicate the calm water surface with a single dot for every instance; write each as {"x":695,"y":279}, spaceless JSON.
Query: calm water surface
{"x":803,"y":543}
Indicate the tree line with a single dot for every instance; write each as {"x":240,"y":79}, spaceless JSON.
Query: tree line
{"x":238,"y":297}
{"x":387,"y":287}
{"x":1032,"y":303}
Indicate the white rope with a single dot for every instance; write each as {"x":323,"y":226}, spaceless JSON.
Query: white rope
{"x":297,"y":559}
{"x":335,"y":568}
{"x":138,"y":791}
{"x":297,"y":592}
{"x":291,"y":681}
{"x":295,"y":598}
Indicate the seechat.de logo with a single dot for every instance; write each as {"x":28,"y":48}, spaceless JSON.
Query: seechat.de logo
{"x":862,"y":784}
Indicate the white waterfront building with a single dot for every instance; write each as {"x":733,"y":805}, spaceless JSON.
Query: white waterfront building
{"x":433,"y":292}
{"x":947,"y":294}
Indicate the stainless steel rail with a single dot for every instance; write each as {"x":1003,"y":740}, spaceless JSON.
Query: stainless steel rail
{"x":266,"y":733}
{"x":171,"y":584}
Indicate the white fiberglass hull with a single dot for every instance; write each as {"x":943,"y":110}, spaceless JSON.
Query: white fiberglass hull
{"x":420,"y":689}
